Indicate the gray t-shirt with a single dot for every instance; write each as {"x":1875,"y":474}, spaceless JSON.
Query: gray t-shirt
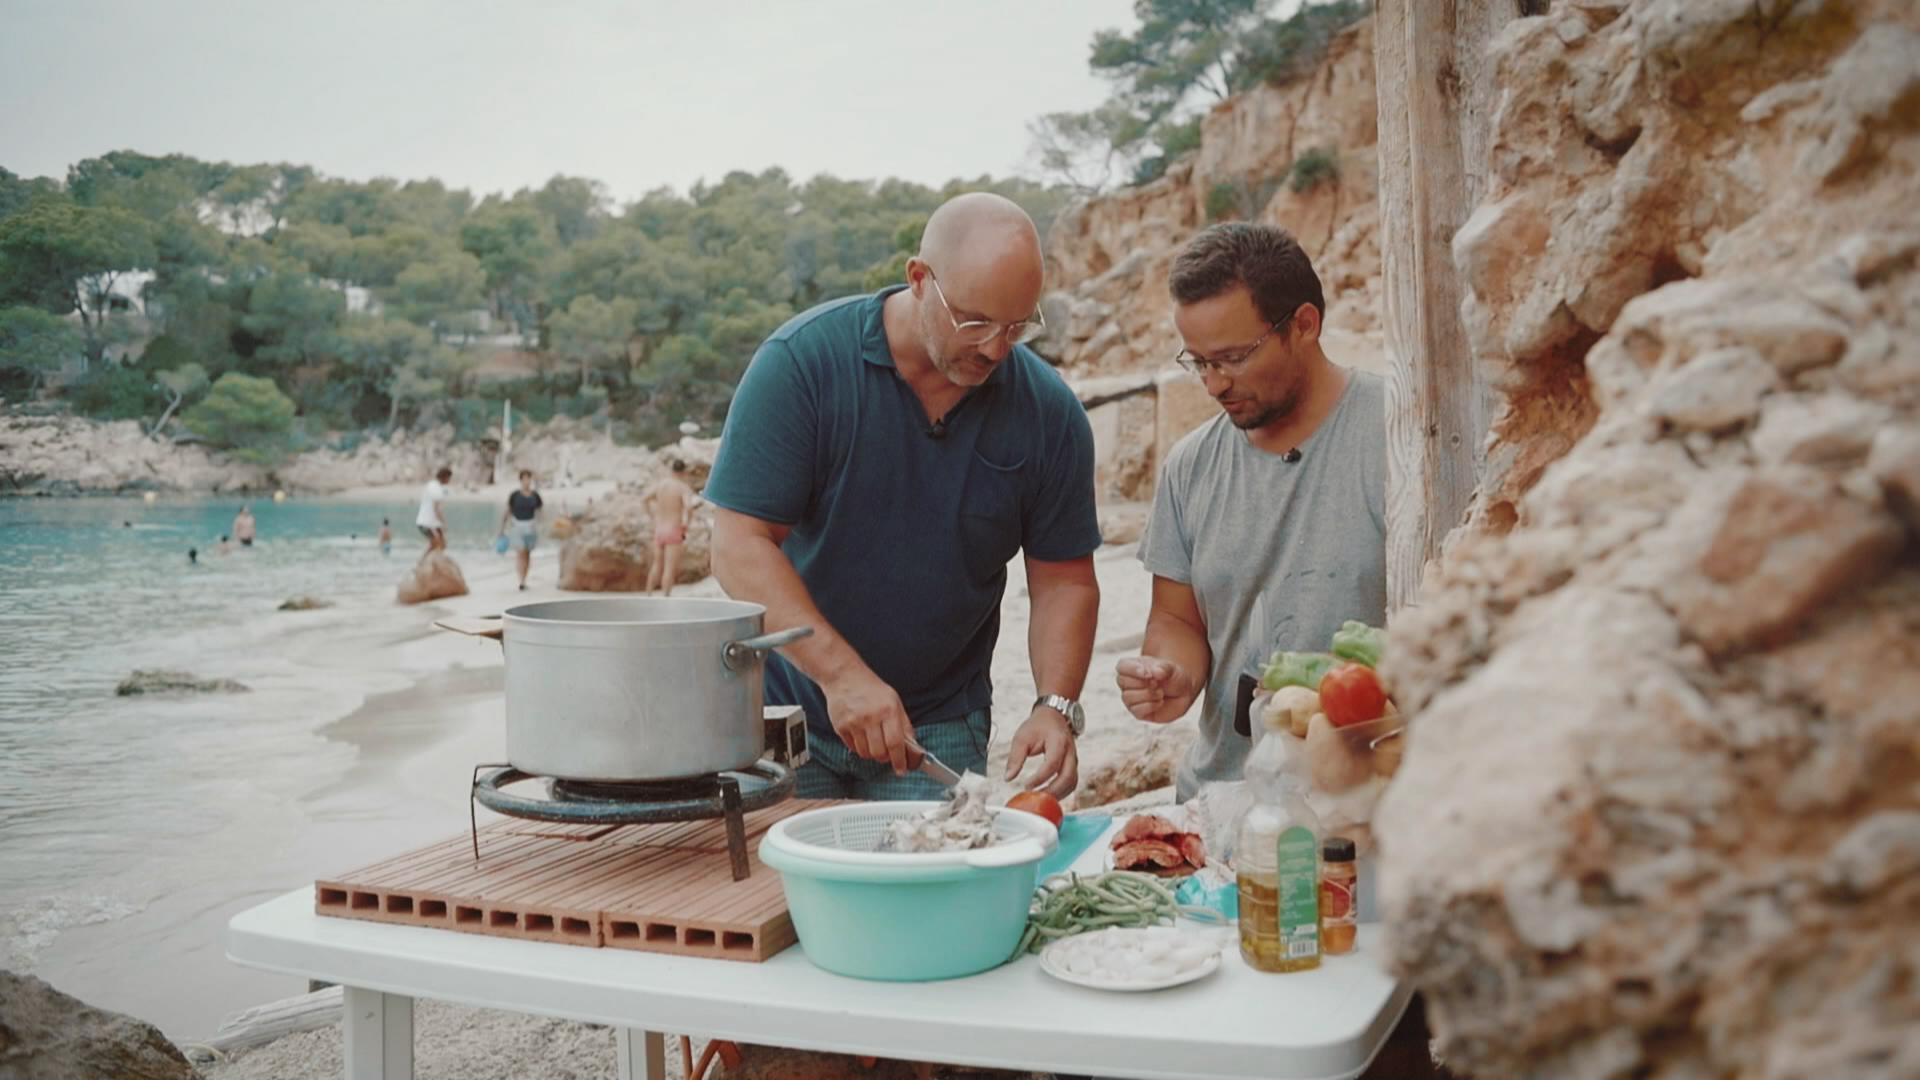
{"x":1278,"y":554}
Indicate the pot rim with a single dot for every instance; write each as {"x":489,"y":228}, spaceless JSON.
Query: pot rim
{"x":520,"y":612}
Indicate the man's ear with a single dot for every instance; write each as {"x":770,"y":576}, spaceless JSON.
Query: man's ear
{"x":917,"y":272}
{"x":1307,"y":323}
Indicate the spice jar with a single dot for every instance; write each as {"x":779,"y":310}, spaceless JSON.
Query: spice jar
{"x":1339,"y":881}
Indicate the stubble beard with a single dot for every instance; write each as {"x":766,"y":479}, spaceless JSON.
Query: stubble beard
{"x":1272,"y":414}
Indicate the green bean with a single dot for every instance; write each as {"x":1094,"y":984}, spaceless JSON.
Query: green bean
{"x":1068,"y":904}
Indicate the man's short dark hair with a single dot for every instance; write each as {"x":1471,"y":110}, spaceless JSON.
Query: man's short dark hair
{"x":526,"y":473}
{"x":679,"y":466}
{"x":445,"y":474}
{"x":1264,"y":258}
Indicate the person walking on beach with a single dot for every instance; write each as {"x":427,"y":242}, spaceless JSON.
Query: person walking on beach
{"x":518,"y":523}
{"x":386,"y":537}
{"x":433,"y":523}
{"x":670,"y":501}
{"x":243,"y":526}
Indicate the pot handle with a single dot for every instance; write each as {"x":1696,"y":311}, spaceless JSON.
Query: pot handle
{"x":743,"y":654}
{"x":492,"y":626}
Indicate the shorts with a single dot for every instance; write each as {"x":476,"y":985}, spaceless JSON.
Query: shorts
{"x":670,"y":534}
{"x":834,"y":771}
{"x":430,"y":533}
{"x":522,"y":535}
{"x":246,"y":542}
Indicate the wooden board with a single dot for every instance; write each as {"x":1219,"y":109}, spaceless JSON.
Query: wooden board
{"x":1436,"y":99}
{"x":658,"y":888}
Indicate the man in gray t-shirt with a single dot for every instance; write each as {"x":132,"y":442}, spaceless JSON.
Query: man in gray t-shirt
{"x":1269,"y":523}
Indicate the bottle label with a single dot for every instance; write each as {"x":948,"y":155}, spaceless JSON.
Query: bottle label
{"x":1298,"y":860}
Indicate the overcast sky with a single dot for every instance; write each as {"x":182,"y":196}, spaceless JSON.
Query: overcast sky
{"x":494,"y":96}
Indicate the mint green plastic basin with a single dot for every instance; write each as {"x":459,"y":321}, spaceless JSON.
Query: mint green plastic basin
{"x":909,"y":919}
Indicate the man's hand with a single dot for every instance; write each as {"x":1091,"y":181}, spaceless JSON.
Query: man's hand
{"x":1154,"y":689}
{"x":867,"y":715}
{"x":1046,"y":735}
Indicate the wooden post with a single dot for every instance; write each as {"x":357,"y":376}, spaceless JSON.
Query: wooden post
{"x":1436,"y":99}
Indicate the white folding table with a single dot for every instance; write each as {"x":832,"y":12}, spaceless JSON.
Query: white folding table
{"x":1236,"y":1024}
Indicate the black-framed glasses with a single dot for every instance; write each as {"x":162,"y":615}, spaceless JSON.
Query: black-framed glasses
{"x":1227,"y":365}
{"x":981,"y":331}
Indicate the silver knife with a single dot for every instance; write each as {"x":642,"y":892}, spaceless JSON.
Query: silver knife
{"x":932,"y":767}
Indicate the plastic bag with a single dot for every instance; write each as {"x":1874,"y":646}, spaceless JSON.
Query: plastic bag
{"x":1343,"y":771}
{"x":1214,"y":814}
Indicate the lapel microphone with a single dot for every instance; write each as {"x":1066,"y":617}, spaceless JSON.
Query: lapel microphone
{"x":938,"y":430}
{"x":1291,"y":456}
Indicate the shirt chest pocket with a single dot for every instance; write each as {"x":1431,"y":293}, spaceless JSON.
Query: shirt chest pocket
{"x":992,"y":514}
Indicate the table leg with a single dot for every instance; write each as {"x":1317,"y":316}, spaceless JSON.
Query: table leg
{"x":379,"y":1035}
{"x":643,"y":1054}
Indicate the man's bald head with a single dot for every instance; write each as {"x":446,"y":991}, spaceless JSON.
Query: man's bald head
{"x":981,"y":232}
{"x":979,"y":263}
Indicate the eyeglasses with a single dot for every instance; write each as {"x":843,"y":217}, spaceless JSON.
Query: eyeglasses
{"x":981,"y":331}
{"x":1231,"y":364}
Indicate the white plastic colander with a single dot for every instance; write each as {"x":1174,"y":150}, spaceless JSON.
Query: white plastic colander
{"x":850,"y":836}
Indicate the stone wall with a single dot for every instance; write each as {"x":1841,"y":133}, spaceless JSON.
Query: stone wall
{"x":1660,"y":811}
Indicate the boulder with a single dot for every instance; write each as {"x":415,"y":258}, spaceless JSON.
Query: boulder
{"x":436,"y":576}
{"x":1128,"y":775}
{"x":175,"y":682}
{"x":47,"y":1035}
{"x":304,"y":603}
{"x":611,"y":546}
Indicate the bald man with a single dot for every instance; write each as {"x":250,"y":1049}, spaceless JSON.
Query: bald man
{"x":884,"y":459}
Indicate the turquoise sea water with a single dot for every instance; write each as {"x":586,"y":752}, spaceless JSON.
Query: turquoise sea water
{"x":112,"y":806}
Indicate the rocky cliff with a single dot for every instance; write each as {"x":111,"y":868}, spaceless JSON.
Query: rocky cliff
{"x":1660,"y":814}
{"x":1107,"y":257}
{"x":68,"y":455}
{"x":1110,"y":321}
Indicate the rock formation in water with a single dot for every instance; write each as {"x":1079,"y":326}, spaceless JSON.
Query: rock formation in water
{"x":176,"y":682}
{"x":435,"y":577}
{"x":609,"y":545}
{"x":48,"y":1035}
{"x":1660,"y":815}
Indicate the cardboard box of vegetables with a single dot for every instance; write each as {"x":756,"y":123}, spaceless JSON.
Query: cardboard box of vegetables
{"x":1343,"y":733}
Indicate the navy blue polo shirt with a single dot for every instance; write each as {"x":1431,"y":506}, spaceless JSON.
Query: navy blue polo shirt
{"x":903,"y":540}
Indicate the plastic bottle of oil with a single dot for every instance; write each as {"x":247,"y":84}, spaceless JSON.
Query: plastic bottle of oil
{"x":1276,"y":858}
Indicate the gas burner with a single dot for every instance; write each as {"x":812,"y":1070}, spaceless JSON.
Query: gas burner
{"x":727,"y":795}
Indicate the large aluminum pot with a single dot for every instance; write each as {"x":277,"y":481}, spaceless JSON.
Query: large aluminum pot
{"x":636,"y":688}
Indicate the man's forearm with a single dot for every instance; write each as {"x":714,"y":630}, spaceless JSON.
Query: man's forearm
{"x":755,"y":569}
{"x":1060,"y":629}
{"x":1176,"y":640}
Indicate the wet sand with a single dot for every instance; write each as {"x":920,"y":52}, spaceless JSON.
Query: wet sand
{"x":392,"y":773}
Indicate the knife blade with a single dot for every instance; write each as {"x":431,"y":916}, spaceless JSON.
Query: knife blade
{"x":933,"y":767}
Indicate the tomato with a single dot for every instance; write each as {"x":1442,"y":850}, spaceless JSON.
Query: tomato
{"x":1039,"y":802}
{"x":1351,"y":694}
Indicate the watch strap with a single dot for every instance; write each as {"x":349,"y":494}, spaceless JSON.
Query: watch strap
{"x":1067,"y":707}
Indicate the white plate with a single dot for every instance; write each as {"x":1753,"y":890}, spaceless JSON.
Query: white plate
{"x":1048,"y":965}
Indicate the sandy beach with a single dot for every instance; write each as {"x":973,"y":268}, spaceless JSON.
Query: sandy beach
{"x":419,"y":708}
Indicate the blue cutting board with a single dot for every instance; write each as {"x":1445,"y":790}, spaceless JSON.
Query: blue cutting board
{"x":1077,"y":834}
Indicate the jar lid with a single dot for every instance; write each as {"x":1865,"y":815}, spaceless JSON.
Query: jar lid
{"x":1337,"y":849}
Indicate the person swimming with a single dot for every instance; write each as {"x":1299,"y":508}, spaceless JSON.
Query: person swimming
{"x":193,"y":556}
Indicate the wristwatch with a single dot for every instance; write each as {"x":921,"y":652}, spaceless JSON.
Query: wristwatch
{"x":1067,"y":707}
